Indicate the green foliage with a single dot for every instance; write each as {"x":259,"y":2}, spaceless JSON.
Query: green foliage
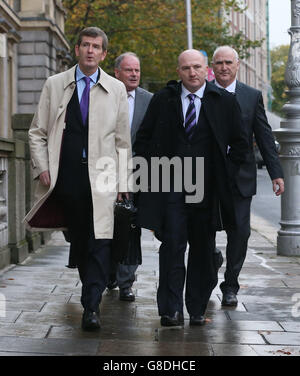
{"x":279,"y":57}
{"x":155,"y":30}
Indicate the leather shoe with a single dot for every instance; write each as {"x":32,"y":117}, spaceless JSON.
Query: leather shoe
{"x":90,"y":320}
{"x":176,"y":320}
{"x":112,"y":285}
{"x":197,"y":320}
{"x":229,"y":299}
{"x":127,"y":295}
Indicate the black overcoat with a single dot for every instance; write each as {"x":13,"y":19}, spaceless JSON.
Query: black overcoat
{"x":157,"y":137}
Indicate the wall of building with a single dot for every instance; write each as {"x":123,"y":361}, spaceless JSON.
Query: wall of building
{"x":32,"y":47}
{"x":253,"y":23}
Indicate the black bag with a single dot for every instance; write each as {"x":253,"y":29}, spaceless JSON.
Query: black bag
{"x":126,"y":243}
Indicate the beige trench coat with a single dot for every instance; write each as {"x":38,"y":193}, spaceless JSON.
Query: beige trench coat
{"x":109,"y":137}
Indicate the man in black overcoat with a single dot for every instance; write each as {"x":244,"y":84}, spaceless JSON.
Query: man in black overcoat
{"x":189,"y":119}
{"x":225,"y":65}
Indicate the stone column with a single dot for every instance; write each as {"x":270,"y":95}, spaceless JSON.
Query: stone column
{"x":16,"y":197}
{"x":288,"y":135}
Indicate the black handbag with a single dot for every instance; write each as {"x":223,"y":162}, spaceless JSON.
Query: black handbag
{"x":126,"y":243}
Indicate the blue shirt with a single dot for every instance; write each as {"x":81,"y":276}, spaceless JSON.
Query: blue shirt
{"x":81,"y":83}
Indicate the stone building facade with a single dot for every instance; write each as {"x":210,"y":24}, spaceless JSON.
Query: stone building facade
{"x":32,"y":47}
{"x":255,"y":70}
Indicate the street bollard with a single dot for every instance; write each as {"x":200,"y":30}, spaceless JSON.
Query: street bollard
{"x":288,"y":135}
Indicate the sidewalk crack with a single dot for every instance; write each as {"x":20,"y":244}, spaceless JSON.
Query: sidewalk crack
{"x":43,"y":307}
{"x":49,"y":330}
{"x":264,"y":338}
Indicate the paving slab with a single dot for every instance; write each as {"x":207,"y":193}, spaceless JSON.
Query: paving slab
{"x":29,"y":297}
{"x":282,"y":338}
{"x":276,"y":350}
{"x":52,"y":318}
{"x":291,"y":326}
{"x":25,"y":330}
{"x":14,"y":354}
{"x":9,"y":316}
{"x":108,"y":331}
{"x":235,"y":325}
{"x":128,"y":348}
{"x":210,"y":335}
{"x":233,"y":350}
{"x":49,"y":346}
{"x":262,"y":316}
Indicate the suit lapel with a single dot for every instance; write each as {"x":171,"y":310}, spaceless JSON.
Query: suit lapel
{"x":211,"y":112}
{"x":239,"y":93}
{"x":176,"y":111}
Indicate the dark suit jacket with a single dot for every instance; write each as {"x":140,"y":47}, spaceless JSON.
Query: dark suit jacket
{"x":255,"y":122}
{"x":157,"y":137}
{"x":142,"y":100}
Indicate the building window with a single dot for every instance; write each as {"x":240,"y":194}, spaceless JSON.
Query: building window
{"x":17,"y":5}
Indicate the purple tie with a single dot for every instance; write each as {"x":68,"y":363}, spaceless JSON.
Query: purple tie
{"x":190,"y":117}
{"x":84,"y":103}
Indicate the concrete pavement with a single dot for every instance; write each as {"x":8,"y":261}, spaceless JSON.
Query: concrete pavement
{"x":40,"y":311}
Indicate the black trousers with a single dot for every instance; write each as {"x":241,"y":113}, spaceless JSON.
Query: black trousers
{"x":90,"y":255}
{"x":186,"y":224}
{"x":237,"y":243}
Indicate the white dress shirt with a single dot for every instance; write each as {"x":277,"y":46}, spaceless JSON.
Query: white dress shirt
{"x":230,"y":88}
{"x":131,"y":99}
{"x":186,"y":101}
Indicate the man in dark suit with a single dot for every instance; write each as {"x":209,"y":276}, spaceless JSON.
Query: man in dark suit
{"x":225,"y":66}
{"x":127,"y":70}
{"x":190,"y":119}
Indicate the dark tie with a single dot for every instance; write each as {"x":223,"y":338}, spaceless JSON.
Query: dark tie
{"x":84,"y":102}
{"x":190,"y":117}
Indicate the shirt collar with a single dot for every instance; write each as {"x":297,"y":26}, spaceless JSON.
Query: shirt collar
{"x":131,"y":93}
{"x":230,"y":88}
{"x":199,"y":93}
{"x":80,"y":75}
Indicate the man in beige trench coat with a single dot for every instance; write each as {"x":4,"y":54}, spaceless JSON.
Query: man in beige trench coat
{"x":78,"y":136}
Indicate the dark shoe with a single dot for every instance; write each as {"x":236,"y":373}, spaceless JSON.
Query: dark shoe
{"x":90,"y":320}
{"x":197,"y":320}
{"x":127,"y":295}
{"x":229,"y":299}
{"x":175,"y":320}
{"x":218,"y":258}
{"x":112,"y":285}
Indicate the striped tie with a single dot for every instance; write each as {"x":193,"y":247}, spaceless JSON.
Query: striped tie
{"x":190,"y":117}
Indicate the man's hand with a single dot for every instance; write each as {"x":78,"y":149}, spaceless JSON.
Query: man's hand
{"x":278,"y":186}
{"x":45,"y":178}
{"x":121,"y":195}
